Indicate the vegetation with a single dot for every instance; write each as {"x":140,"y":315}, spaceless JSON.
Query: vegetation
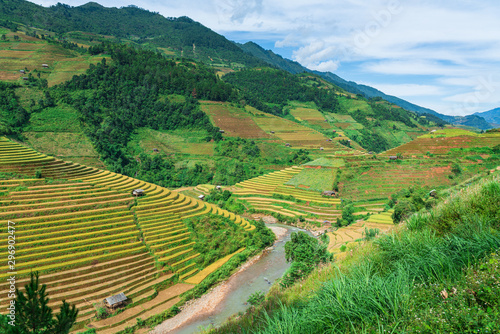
{"x":413,"y":280}
{"x":33,"y":315}
{"x":305,"y":253}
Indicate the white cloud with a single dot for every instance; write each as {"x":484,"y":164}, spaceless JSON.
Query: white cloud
{"x":444,"y":44}
{"x":404,"y":90}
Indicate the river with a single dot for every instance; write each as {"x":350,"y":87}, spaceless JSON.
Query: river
{"x":258,"y":276}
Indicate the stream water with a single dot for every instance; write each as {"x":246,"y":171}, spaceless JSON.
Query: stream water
{"x":258,"y":277}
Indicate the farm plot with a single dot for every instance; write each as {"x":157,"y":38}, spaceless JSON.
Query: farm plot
{"x":193,"y":143}
{"x":30,"y":53}
{"x":353,"y":233}
{"x":297,"y":135}
{"x":314,"y":179}
{"x":311,"y":115}
{"x":234,"y":121}
{"x":380,"y":180}
{"x":89,"y":240}
{"x":440,"y":142}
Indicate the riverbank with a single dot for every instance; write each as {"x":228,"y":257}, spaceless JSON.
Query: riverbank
{"x":211,"y":302}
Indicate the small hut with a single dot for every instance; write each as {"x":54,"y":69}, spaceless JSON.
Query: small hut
{"x":45,"y":65}
{"x":22,"y":71}
{"x":433,"y":193}
{"x":218,"y":187}
{"x":340,"y":135}
{"x":138,"y":192}
{"x":156,"y":150}
{"x":287,"y":144}
{"x":329,"y":193}
{"x":25,"y":78}
{"x":321,"y":148}
{"x":393,"y":157}
{"x":115,"y":301}
{"x":334,"y":131}
{"x":272,"y":131}
{"x":201,"y":197}
{"x":221,"y":131}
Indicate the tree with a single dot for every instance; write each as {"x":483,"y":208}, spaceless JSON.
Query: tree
{"x":305,"y":252}
{"x":34,"y":316}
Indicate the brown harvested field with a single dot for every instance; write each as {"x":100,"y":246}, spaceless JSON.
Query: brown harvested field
{"x":13,"y":54}
{"x":26,"y":46}
{"x":234,"y":121}
{"x":9,"y":75}
{"x":442,"y":145}
{"x":343,"y":126}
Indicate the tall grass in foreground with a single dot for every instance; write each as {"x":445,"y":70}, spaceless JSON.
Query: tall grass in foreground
{"x":374,"y":295}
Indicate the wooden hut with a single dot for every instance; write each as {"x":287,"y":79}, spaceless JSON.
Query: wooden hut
{"x":221,"y":131}
{"x":22,"y":71}
{"x":393,"y":157}
{"x":156,"y":150}
{"x":218,"y":187}
{"x":138,"y":192}
{"x":45,"y":65}
{"x":321,"y":148}
{"x":287,"y":144}
{"x":115,"y":301}
{"x":329,"y":193}
{"x":25,"y":78}
{"x":201,"y":197}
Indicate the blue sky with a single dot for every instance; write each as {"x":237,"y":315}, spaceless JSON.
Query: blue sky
{"x":440,"y":54}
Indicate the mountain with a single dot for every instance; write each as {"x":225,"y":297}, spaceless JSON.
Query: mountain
{"x":369,"y":92}
{"x":181,"y":36}
{"x":492,"y":116}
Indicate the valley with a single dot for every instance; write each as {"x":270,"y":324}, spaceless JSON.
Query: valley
{"x":155,"y":160}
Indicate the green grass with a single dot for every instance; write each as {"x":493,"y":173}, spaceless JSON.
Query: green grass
{"x":62,"y":118}
{"x":396,"y":283}
{"x":313,"y":179}
{"x":192,"y":142}
{"x":326,"y":162}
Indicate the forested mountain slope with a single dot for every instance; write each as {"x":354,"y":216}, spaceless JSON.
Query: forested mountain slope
{"x":128,"y":23}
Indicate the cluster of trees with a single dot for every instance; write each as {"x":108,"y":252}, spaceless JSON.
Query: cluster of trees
{"x":115,"y":99}
{"x":277,"y":87}
{"x":238,"y":148}
{"x":217,"y":236}
{"x":12,"y":115}
{"x":408,"y":201}
{"x":305,"y":253}
{"x":33,"y":315}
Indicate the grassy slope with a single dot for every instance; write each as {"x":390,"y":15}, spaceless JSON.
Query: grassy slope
{"x":396,"y":284}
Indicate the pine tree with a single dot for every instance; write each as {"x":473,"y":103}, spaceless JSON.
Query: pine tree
{"x":34,"y":316}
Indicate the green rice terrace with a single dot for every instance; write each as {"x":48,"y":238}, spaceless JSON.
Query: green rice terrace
{"x":90,"y":238}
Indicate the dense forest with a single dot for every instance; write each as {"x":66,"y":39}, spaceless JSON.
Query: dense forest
{"x":277,"y":87}
{"x":12,"y":115}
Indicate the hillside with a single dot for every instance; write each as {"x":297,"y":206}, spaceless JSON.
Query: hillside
{"x":179,"y":36}
{"x":476,"y":120}
{"x":491,"y":116}
{"x":150,"y":247}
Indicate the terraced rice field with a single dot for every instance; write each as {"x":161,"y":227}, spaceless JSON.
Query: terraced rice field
{"x":234,"y":121}
{"x":90,"y":238}
{"x":302,"y":112}
{"x":257,"y":192}
{"x":379,"y":179}
{"x":440,"y":142}
{"x":31,"y":53}
{"x":354,"y":232}
{"x":314,"y":179}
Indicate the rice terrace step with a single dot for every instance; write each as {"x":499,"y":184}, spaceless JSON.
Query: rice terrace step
{"x":89,"y":238}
